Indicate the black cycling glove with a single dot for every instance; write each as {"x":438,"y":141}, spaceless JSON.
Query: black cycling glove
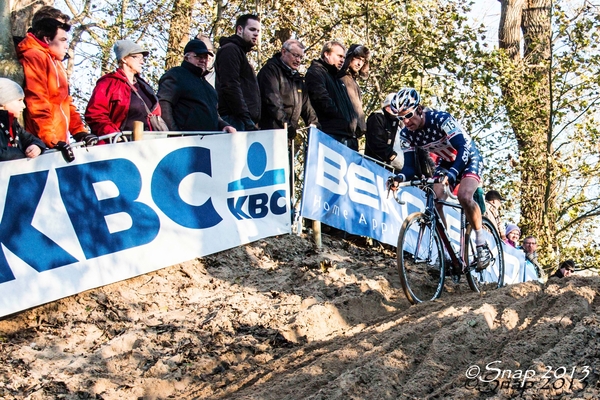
{"x":65,"y":150}
{"x":88,"y":138}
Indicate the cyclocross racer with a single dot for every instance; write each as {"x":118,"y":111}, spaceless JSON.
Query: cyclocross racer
{"x":458,"y":158}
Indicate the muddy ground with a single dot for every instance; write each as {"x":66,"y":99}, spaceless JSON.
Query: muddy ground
{"x":279,"y":319}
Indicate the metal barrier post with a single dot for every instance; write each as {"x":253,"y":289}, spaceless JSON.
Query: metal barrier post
{"x":317,"y":234}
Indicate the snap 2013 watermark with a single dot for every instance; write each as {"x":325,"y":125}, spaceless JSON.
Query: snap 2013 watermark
{"x":492,"y":378}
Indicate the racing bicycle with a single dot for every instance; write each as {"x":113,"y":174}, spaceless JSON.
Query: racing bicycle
{"x":425,"y":253}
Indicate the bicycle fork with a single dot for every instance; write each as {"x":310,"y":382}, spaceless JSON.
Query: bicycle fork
{"x":430,"y":240}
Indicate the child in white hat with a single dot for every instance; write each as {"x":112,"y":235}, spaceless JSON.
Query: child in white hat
{"x":15,"y":142}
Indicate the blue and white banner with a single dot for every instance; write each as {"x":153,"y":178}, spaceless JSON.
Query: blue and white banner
{"x":126,"y":209}
{"x":347,"y":191}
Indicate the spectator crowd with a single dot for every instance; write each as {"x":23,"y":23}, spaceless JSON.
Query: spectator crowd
{"x":220,"y":91}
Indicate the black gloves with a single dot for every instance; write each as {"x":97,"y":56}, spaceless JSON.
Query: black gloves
{"x":88,"y":138}
{"x":393,"y":181}
{"x":389,"y":184}
{"x":65,"y":150}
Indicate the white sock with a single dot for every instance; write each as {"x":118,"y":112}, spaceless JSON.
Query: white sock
{"x":479,"y":239}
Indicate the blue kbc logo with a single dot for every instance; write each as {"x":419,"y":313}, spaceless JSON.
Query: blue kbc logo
{"x":258,"y":204}
{"x":87,"y":213}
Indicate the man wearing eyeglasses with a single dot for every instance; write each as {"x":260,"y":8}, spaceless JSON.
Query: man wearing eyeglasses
{"x":459,"y":160}
{"x":187,"y":100}
{"x":282,"y":91}
{"x":329,"y":97}
{"x":531,"y":258}
{"x":210,"y":67}
{"x":236,"y":84}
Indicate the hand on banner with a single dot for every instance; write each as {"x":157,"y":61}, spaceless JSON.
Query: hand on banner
{"x":88,"y":138}
{"x":65,"y":150}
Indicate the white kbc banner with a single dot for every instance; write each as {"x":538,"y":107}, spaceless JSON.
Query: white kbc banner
{"x":126,"y":209}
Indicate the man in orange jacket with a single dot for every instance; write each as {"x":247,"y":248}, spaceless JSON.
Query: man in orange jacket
{"x":51,"y":115}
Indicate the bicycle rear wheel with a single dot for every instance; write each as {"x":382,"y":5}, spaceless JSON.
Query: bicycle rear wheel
{"x":420,"y":259}
{"x":493,"y":276}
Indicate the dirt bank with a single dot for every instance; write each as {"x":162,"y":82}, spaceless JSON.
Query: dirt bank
{"x":277,"y":319}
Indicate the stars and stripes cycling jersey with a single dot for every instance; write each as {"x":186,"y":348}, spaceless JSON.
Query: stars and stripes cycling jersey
{"x":442,"y":135}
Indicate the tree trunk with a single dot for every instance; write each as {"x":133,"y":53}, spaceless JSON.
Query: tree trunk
{"x":181,"y":21}
{"x":509,"y":34}
{"x":15,"y":20}
{"x":526,"y":93}
{"x":22,"y":14}
{"x":9,"y":66}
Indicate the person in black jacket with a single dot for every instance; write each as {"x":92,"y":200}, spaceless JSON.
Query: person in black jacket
{"x":356,"y":66}
{"x":236,"y":84}
{"x":328,"y":95}
{"x":565,"y":269}
{"x":382,"y":126}
{"x":188,"y":102}
{"x":15,"y":142}
{"x":284,"y":98}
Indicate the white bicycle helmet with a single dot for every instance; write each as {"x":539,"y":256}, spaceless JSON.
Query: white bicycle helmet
{"x":405,"y":100}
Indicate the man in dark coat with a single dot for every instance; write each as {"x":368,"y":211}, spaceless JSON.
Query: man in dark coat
{"x":356,"y":66}
{"x":236,"y":84}
{"x":382,"y":126}
{"x":284,"y":98}
{"x":329,"y":97}
{"x":187,"y":100}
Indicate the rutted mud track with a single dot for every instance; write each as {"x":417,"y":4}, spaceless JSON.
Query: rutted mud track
{"x":277,"y":319}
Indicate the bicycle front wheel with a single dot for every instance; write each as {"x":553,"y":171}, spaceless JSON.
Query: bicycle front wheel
{"x":493,"y":276}
{"x":420,"y":259}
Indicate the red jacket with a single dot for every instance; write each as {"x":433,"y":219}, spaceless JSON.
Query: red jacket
{"x":51,"y":114}
{"x":109,"y":103}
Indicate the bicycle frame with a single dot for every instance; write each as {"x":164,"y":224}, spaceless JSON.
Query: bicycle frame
{"x":418,"y":262}
{"x":431,"y":211}
{"x":441,"y":229}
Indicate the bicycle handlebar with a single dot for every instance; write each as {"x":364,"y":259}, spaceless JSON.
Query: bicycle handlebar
{"x":421,"y":182}
{"x":417,"y":182}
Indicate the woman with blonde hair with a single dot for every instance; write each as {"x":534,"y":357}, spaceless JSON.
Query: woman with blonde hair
{"x":122,"y":97}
